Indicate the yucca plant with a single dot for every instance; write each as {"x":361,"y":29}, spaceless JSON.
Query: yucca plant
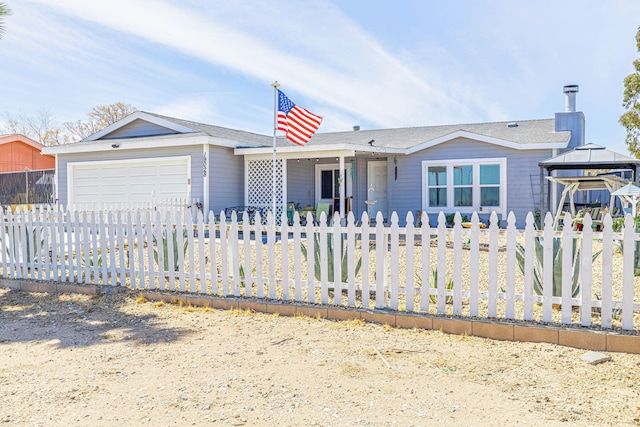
{"x":448,"y":285}
{"x":330,"y":251}
{"x":165,"y":249}
{"x":538,"y":265}
{"x":31,"y":243}
{"x":617,"y":226}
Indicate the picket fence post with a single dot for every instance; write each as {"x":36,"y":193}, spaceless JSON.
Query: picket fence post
{"x":567,"y":265}
{"x":627,"y":278}
{"x":457,"y":261}
{"x":547,"y":276}
{"x":365,"y":239}
{"x":529,"y":247}
{"x":284,"y":255}
{"x":607,"y":268}
{"x":259,"y":255}
{"x":409,"y":271}
{"x":351,"y":260}
{"x":394,"y":240}
{"x":425,"y":288}
{"x":311,"y":256}
{"x":297,"y":267}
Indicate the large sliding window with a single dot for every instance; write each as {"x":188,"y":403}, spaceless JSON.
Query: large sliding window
{"x":465,"y":185}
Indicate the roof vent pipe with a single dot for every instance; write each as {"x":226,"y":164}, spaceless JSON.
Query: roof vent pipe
{"x":570,"y":100}
{"x":356,"y":127}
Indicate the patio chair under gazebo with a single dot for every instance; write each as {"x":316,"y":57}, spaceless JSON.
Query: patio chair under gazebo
{"x":573,"y":184}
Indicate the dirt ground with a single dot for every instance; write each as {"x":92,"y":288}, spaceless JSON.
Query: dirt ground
{"x":118,"y":360}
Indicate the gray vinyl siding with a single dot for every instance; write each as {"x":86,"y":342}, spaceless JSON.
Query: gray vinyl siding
{"x":194,"y":151}
{"x":406,"y":195}
{"x":226,"y":178}
{"x":300,"y":182}
{"x":138,"y":128}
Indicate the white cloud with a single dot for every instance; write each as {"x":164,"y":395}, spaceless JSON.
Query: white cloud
{"x":345,"y":68}
{"x":412,"y":63}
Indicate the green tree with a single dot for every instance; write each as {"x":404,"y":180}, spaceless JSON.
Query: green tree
{"x":631,"y":102}
{"x":4,"y":11}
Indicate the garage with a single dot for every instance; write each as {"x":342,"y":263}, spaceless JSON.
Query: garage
{"x":129,"y":181}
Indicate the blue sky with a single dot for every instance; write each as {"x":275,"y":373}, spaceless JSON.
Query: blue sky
{"x":356,"y":62}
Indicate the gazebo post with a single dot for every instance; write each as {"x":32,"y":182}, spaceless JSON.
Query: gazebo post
{"x":542,"y":206}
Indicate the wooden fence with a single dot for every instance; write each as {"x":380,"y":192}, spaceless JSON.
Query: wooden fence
{"x":468,"y":272}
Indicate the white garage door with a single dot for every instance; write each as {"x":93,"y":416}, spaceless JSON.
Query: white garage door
{"x":130,"y":181}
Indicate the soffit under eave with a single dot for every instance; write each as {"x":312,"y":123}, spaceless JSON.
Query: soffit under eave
{"x":306,"y":154}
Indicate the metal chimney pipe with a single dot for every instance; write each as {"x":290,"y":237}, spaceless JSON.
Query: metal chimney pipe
{"x":570,"y":99}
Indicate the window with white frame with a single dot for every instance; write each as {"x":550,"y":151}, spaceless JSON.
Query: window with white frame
{"x":328,"y":183}
{"x":465,"y":185}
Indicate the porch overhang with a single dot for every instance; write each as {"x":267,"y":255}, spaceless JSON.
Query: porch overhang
{"x":310,"y":151}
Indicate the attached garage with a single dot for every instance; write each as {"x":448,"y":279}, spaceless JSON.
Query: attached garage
{"x":145,"y":154}
{"x":128,"y":181}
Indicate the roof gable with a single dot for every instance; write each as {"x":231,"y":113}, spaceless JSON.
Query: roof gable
{"x":6,"y":139}
{"x":140,"y":124}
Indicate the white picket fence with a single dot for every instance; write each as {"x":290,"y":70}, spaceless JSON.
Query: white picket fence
{"x":468,"y":272}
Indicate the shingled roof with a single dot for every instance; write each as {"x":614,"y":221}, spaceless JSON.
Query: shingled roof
{"x":521,"y":132}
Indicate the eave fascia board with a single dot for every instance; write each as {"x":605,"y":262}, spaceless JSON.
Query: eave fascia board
{"x":233,"y":144}
{"x":130,"y":144}
{"x":488,"y":140}
{"x":308,"y":154}
{"x":142,"y":116}
{"x":318,"y":150}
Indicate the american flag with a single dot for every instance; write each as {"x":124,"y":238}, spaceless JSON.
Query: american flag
{"x":299,"y":123}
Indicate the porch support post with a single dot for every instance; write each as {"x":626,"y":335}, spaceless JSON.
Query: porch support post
{"x":542,"y":210}
{"x":341,"y":190}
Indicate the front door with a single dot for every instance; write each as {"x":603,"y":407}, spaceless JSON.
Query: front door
{"x":377,"y":199}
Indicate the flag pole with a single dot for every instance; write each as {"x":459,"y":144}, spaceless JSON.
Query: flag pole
{"x":273,"y":162}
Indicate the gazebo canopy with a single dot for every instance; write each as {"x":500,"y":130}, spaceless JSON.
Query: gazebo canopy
{"x":590,"y":156}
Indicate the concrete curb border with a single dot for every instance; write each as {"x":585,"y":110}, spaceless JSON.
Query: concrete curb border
{"x":582,"y":338}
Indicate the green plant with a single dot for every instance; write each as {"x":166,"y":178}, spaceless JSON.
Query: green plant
{"x":450,"y":219}
{"x":448,"y":285}
{"x":88,"y":259}
{"x":617,"y":226}
{"x":31,"y":242}
{"x":165,"y":248}
{"x":330,"y":252}
{"x":538,"y":265}
{"x":241,"y":273}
